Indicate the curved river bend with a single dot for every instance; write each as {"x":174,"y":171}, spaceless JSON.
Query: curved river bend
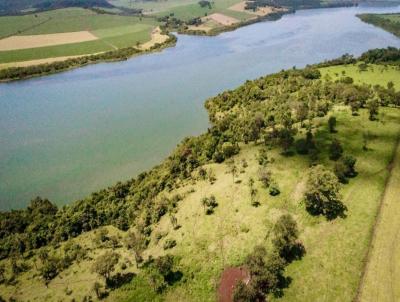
{"x":66,"y":135}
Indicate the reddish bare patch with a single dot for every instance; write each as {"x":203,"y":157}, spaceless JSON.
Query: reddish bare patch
{"x":230,"y":277}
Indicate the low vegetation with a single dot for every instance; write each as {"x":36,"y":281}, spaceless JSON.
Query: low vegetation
{"x":389,"y":22}
{"x":291,"y":169}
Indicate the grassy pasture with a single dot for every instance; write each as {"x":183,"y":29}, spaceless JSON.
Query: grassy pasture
{"x":392,"y":17}
{"x":190,"y":11}
{"x":152,"y":6}
{"x":113,"y":32}
{"x":376,"y":74}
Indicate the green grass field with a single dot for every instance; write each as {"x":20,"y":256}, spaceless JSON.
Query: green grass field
{"x":113,"y":32}
{"x":152,"y":6}
{"x":376,"y":74}
{"x":193,"y":10}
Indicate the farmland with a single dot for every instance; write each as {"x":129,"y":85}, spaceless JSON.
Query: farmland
{"x":112,"y":32}
{"x":24,"y":35}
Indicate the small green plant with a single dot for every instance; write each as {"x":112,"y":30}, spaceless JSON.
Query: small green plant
{"x":169,"y":244}
{"x":209,"y":203}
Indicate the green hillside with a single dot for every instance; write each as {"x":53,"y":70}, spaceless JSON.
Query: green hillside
{"x":287,"y":183}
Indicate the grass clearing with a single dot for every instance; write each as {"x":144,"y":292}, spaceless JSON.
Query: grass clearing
{"x":375,"y":75}
{"x":33,"y":41}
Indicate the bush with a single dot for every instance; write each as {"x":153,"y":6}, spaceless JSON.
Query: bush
{"x":169,"y":244}
{"x":265,"y":176}
{"x":301,"y":146}
{"x":345,"y":168}
{"x":335,"y":150}
{"x":209,"y":203}
{"x":332,"y":124}
{"x":274,"y":190}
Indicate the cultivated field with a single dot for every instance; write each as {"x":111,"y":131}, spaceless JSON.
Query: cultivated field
{"x":83,"y":31}
{"x":260,"y":11}
{"x":33,"y":41}
{"x":221,"y":19}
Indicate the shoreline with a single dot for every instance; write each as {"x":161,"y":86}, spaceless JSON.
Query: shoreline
{"x":123,"y":54}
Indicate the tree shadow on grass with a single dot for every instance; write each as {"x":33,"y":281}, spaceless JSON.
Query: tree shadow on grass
{"x":119,"y":279}
{"x":173,"y":277}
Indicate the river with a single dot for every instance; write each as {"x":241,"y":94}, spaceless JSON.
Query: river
{"x":66,"y":135}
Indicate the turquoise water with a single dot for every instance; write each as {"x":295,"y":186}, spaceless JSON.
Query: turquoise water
{"x":66,"y":135}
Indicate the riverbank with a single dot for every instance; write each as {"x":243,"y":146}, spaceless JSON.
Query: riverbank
{"x":388,"y":22}
{"x":15,"y":71}
{"x":159,"y":42}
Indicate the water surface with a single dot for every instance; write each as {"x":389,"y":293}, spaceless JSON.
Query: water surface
{"x":66,"y":135}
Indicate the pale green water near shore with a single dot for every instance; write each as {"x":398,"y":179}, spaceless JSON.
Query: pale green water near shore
{"x":69,"y":134}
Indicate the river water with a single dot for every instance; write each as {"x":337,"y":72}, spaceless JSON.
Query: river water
{"x":66,"y":135}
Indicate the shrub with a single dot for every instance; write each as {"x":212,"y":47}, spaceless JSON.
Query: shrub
{"x":335,"y":150}
{"x":265,"y":176}
{"x":332,"y":124}
{"x":169,"y":244}
{"x":209,"y":203}
{"x":274,"y":190}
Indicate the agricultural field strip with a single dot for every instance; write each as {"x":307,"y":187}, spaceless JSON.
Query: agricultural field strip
{"x":380,"y":281}
{"x":34,"y":41}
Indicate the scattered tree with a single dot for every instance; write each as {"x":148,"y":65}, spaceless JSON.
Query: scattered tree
{"x":137,"y":242}
{"x":105,"y":264}
{"x":286,"y":238}
{"x":332,"y":124}
{"x":322,"y":193}
{"x":335,"y":149}
{"x":373,"y":107}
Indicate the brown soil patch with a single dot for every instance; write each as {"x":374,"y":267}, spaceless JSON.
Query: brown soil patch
{"x":156,"y":37}
{"x":221,"y":19}
{"x":230,"y":277}
{"x":261,"y":11}
{"x":33,"y":41}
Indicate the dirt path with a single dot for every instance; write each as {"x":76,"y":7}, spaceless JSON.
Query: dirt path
{"x":381,"y":277}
